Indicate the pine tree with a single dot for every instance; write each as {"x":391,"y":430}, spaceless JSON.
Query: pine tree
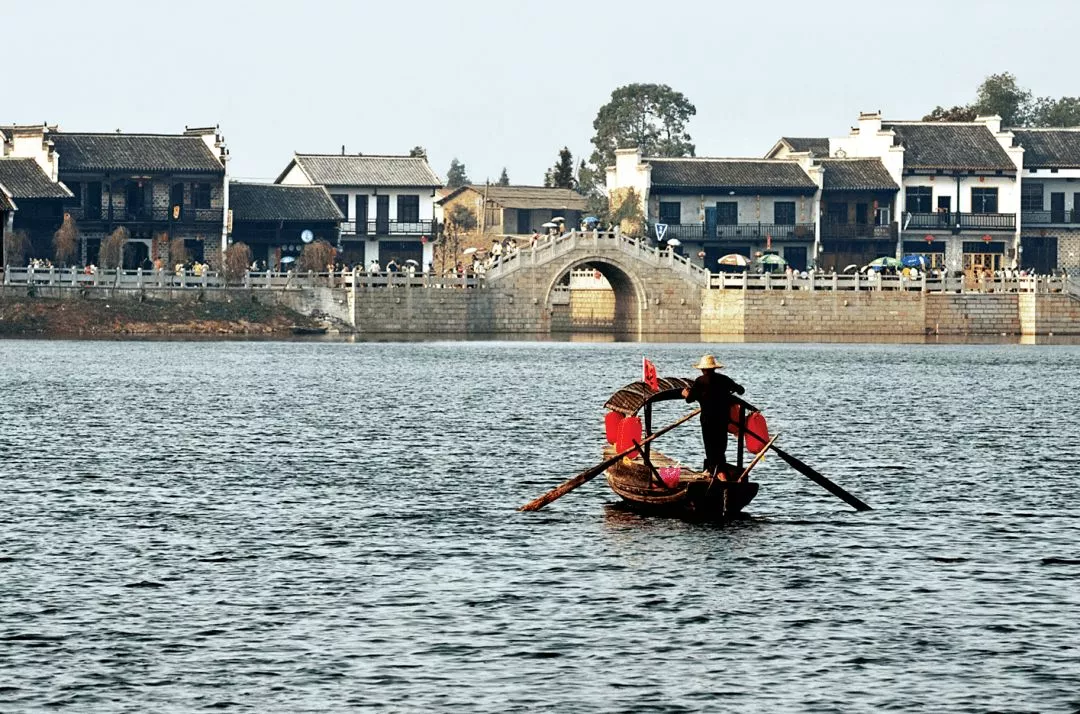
{"x":504,"y":178}
{"x":456,"y":176}
{"x":562,"y":174}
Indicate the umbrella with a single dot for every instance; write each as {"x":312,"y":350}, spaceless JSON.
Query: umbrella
{"x":592,"y":219}
{"x":288,"y":259}
{"x":468,"y":251}
{"x":915,"y":261}
{"x":674,"y":241}
{"x":884,"y":261}
{"x":557,"y":219}
{"x":850,"y":268}
{"x":771,"y":259}
{"x":739,"y":261}
{"x":410,"y":261}
{"x":550,"y":225}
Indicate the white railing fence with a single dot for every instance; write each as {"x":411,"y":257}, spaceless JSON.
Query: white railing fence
{"x":924,"y":283}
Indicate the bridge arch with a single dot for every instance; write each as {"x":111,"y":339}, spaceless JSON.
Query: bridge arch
{"x":631,"y":298}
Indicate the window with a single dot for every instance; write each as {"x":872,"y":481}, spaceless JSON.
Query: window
{"x":200,"y":195}
{"x":984,"y":200}
{"x":342,"y":201}
{"x":836,"y":213}
{"x":784,"y":213}
{"x":727,"y":213}
{"x":918,"y":199}
{"x":671,"y":212}
{"x":76,"y":190}
{"x":883,"y":215}
{"x":408,"y":209}
{"x":93,"y":200}
{"x":1031,"y":196}
{"x":861,"y":214}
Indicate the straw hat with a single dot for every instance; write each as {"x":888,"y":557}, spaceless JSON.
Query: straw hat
{"x":708,"y":362}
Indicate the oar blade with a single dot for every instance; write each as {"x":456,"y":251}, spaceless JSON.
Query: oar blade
{"x":820,"y":480}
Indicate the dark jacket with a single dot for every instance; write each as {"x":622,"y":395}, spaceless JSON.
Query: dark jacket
{"x":713,"y":391}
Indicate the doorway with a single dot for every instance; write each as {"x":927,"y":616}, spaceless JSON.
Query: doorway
{"x":382,"y":215}
{"x":1039,"y":254}
{"x":1057,"y":207}
{"x":795,"y":255}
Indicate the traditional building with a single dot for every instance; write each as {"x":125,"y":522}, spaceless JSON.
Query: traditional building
{"x":31,"y":196}
{"x":388,"y":202}
{"x":858,"y":209}
{"x":517,"y":210}
{"x":715,"y":206}
{"x":1049,"y":199}
{"x":276,"y":221}
{"x":960,"y":187}
{"x":158,"y":186}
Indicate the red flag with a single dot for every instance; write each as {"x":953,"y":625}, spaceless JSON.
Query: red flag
{"x":650,"y":375}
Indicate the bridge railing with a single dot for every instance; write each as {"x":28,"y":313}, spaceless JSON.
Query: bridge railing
{"x":551,"y":247}
{"x":856,"y":282}
{"x":267,"y":280}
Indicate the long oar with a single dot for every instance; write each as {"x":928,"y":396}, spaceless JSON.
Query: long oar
{"x":590,"y":473}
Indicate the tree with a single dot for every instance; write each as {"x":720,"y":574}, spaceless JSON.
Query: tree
{"x":589,"y":180}
{"x":625,"y":211}
{"x":1001,"y":95}
{"x":954,"y":113}
{"x":418,"y":152}
{"x":16,"y":248}
{"x":178,"y":254}
{"x":111,"y":252}
{"x":561,"y":175}
{"x":458,"y":222}
{"x":1050,"y":112}
{"x":504,"y":178}
{"x":317,"y":257}
{"x":65,"y":240}
{"x":237,"y":260}
{"x":651,"y":117}
{"x":456,"y":176}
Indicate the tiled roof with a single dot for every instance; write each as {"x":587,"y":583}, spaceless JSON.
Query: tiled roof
{"x":135,"y":152}
{"x":950,"y":145}
{"x":817,"y":145}
{"x":856,"y":175}
{"x":1049,"y":148}
{"x":275,"y":202}
{"x":357,"y":170}
{"x":23,"y":178}
{"x":6,"y":204}
{"x":763,"y":174}
{"x":528,"y":197}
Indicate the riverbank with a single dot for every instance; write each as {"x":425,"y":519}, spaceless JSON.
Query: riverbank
{"x":53,"y":317}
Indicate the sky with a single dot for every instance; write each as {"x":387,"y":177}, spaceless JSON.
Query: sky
{"x":508,"y":83}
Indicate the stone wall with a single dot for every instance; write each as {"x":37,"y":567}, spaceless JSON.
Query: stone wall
{"x":592,"y":309}
{"x":972,"y":314}
{"x":1054,"y":314}
{"x":804,"y":313}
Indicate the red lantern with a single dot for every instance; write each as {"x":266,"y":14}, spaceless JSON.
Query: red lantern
{"x":629,"y":432}
{"x":423,"y":240}
{"x":987,"y":238}
{"x":929,"y":238}
{"x":612,"y":421}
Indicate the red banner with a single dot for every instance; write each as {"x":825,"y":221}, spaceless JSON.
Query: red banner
{"x":650,"y":378}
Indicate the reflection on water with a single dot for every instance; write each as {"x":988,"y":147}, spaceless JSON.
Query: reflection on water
{"x":330,"y":526}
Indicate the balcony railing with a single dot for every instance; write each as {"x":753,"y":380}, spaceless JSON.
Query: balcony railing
{"x":383,"y":228}
{"x":1043,"y":218}
{"x":857,"y":231}
{"x":149,"y":215}
{"x":963,"y":221}
{"x":742,"y":231}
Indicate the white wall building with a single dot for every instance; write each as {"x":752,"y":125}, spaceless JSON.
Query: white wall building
{"x":388,"y":202}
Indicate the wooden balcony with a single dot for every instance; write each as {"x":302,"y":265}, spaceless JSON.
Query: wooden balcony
{"x":957,"y":222}
{"x":742,"y":231}
{"x":389,"y":228}
{"x":857,"y":231}
{"x":1050,"y":218}
{"x":160,"y":215}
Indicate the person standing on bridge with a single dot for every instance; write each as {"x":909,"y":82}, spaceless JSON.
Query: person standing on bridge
{"x":713,"y":391}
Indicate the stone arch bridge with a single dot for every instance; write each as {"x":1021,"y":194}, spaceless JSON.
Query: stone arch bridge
{"x":655,"y":291}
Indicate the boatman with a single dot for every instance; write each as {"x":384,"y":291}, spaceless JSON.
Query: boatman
{"x":713,"y":391}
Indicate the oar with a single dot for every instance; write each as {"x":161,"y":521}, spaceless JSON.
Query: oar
{"x":757,"y":458}
{"x":820,"y":480}
{"x":590,"y":473}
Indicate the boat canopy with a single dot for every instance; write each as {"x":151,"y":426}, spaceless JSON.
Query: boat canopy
{"x":628,"y":400}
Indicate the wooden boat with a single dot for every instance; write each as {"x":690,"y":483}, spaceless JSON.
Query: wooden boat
{"x":698,"y":495}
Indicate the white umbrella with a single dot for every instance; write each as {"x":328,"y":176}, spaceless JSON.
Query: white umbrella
{"x":468,"y":251}
{"x":557,"y":219}
{"x":550,"y":225}
{"x":410,"y":261}
{"x":674,"y":241}
{"x":849,"y":268}
{"x":288,"y":259}
{"x":734,"y":259}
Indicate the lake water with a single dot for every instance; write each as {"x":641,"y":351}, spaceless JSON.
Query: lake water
{"x":309,"y":526}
